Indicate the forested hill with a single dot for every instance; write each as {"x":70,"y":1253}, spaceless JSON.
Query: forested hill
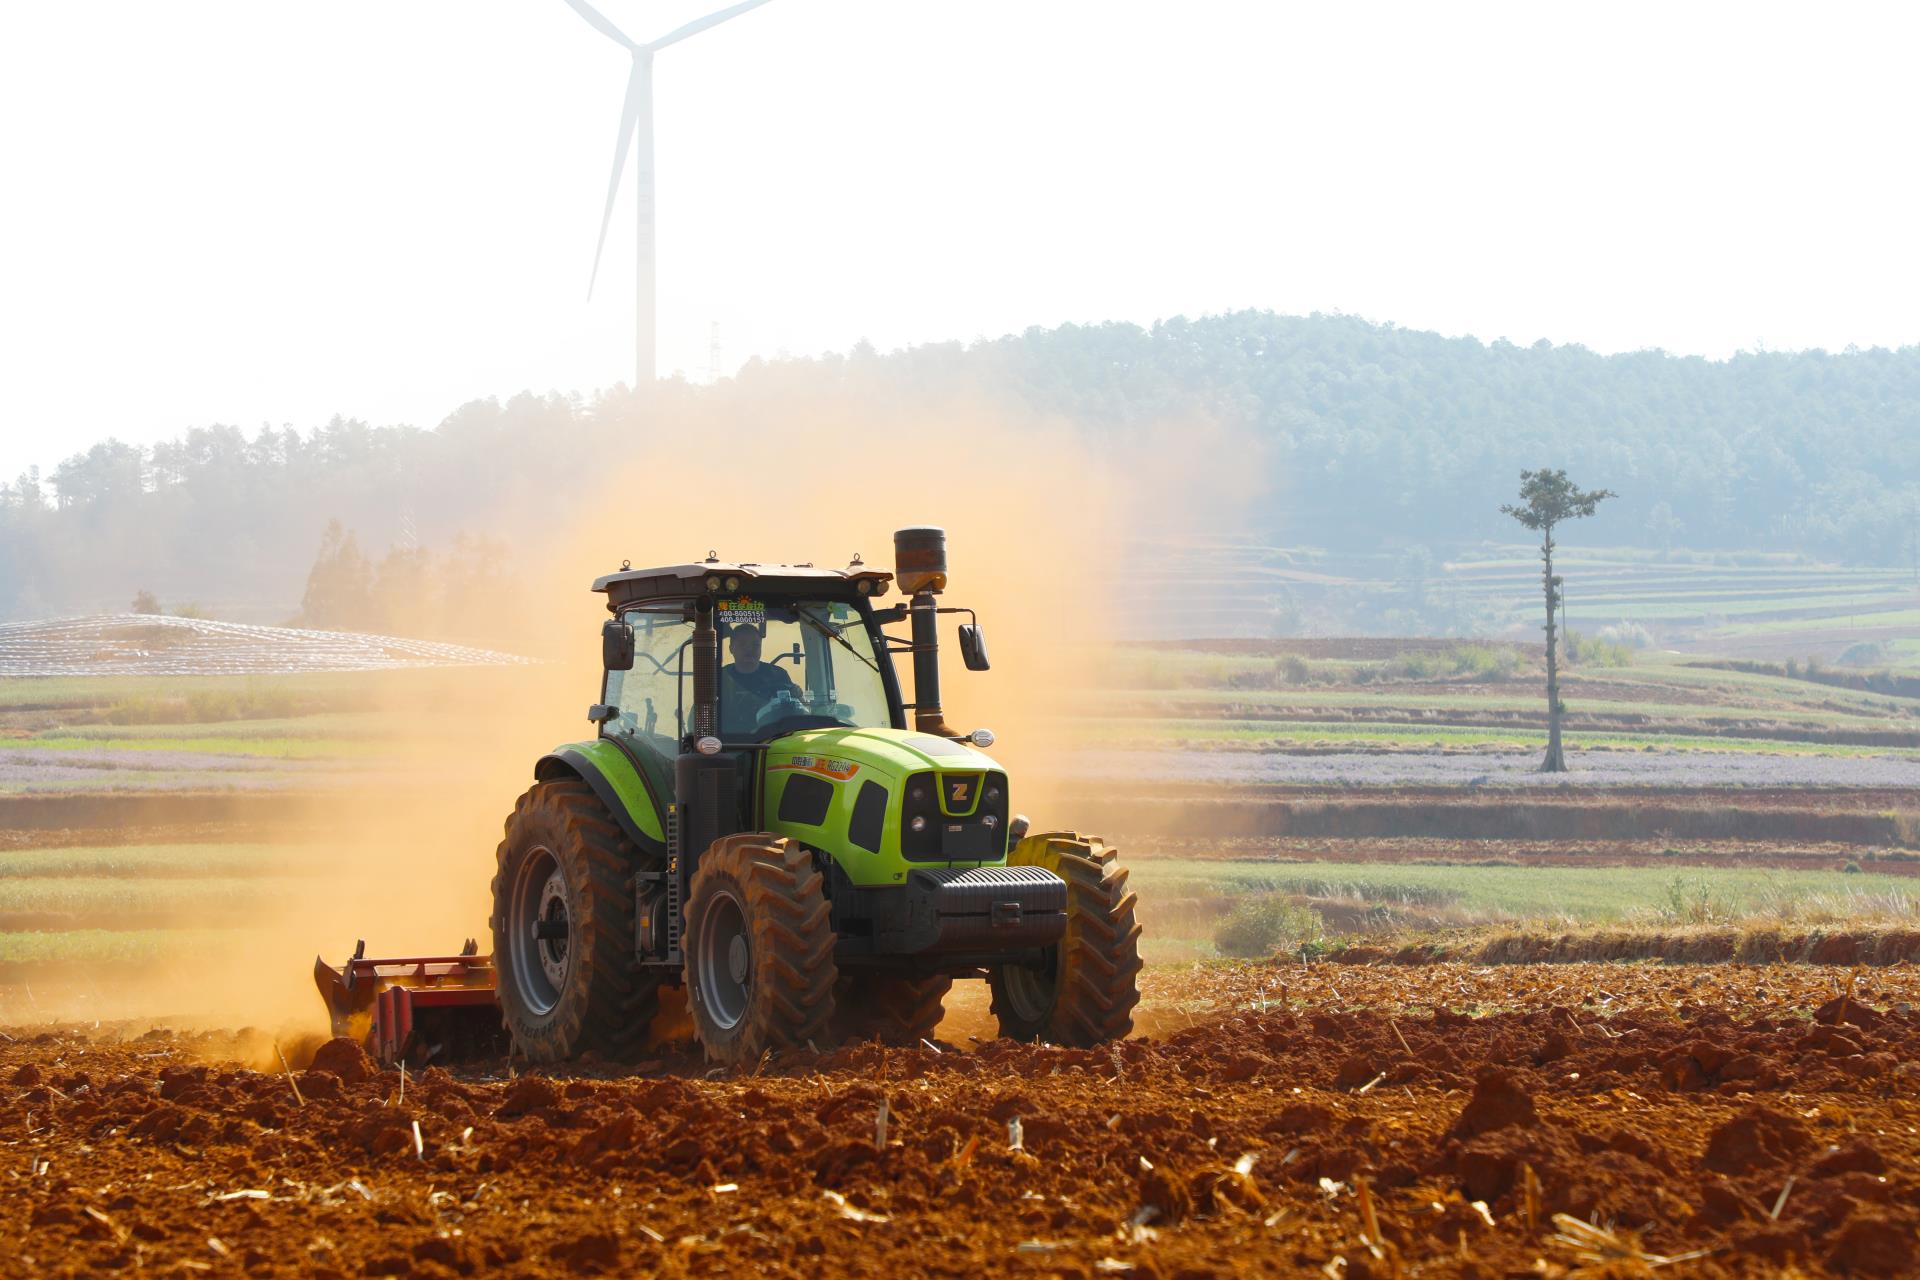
{"x":1369,"y":436}
{"x":1387,"y":431}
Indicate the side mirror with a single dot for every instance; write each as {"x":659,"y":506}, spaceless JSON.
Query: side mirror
{"x":973,"y":646}
{"x":616,"y":645}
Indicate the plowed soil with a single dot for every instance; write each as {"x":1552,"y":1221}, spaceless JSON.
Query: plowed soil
{"x":1357,"y":1121}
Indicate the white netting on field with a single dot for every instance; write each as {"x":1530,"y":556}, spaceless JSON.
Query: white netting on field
{"x":137,"y":644}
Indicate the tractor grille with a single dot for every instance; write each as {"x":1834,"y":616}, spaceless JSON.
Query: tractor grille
{"x":963,"y":817}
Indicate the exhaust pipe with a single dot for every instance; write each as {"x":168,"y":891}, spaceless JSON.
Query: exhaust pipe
{"x":920,"y":567}
{"x":706,"y":695}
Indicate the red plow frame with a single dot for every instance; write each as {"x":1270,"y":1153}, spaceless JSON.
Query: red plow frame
{"x":415,"y":1009}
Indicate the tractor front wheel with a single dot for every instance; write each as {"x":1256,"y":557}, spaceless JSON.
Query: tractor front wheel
{"x":563,"y":929}
{"x":1084,"y":992}
{"x":758,"y":948}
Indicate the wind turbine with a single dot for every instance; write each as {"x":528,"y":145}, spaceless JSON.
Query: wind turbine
{"x":636,"y":118}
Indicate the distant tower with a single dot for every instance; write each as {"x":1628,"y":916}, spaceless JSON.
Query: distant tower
{"x":713,"y":352}
{"x":409,"y":539}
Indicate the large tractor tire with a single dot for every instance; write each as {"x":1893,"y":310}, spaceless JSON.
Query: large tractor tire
{"x":563,"y":929}
{"x":1085,"y":992}
{"x":890,"y":1009}
{"x":758,"y":947}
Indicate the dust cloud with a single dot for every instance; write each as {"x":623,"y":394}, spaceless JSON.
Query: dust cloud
{"x":1036,"y":514}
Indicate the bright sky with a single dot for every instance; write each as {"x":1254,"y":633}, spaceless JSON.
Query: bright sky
{"x":244,"y":212}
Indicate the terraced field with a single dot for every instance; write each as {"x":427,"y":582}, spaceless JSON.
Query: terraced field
{"x":1253,"y":693}
{"x":1737,"y":603}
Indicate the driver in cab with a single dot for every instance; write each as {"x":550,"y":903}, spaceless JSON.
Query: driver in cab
{"x":747,"y":684}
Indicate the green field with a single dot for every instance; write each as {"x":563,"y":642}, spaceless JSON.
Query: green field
{"x":1566,"y":895}
{"x":143,"y":887}
{"x":94,"y":899}
{"x":214,"y":742}
{"x":215,"y":732}
{"x":1184,"y":901}
{"x":139,"y":863}
{"x":107,"y":947}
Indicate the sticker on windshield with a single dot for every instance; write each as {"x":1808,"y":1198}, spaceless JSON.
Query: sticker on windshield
{"x":838,"y":770}
{"x":742,"y":611}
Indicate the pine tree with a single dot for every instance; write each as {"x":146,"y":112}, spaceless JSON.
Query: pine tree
{"x":1546,"y":499}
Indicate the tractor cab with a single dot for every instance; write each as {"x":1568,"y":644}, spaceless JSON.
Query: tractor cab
{"x":792,"y":648}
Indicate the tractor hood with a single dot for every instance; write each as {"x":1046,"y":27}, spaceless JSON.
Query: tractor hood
{"x":895,"y":753}
{"x":850,"y":793}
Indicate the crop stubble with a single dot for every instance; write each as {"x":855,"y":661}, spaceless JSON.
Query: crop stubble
{"x":1375,"y":1105}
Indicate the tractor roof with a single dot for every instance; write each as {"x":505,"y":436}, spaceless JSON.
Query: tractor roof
{"x":681,"y":581}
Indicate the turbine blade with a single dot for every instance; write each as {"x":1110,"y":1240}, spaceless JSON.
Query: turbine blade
{"x":598,"y":22}
{"x":629,"y":119}
{"x":698,"y":25}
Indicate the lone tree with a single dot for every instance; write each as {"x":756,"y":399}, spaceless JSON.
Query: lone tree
{"x":1546,"y":499}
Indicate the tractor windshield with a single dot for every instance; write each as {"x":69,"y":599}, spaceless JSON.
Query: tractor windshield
{"x":787,"y":665}
{"x":784,"y":665}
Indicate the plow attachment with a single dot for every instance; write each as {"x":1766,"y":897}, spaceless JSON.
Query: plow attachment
{"x":417,"y":1010}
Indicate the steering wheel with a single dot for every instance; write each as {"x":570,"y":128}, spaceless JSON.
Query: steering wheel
{"x":779,"y":707}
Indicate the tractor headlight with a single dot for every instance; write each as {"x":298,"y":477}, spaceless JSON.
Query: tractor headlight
{"x":917,"y":823}
{"x":733,"y":583}
{"x":708,"y":746}
{"x":989,"y":822}
{"x":982,"y":738}
{"x":713,"y":582}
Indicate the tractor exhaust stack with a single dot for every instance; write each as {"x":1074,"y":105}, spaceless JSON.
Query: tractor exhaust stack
{"x":705,"y":671}
{"x":920,"y":567}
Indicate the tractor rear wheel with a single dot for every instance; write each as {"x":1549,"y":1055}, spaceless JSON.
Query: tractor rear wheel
{"x":759,"y":948}
{"x":1085,"y":992}
{"x":563,"y":929}
{"x":892,"y":1010}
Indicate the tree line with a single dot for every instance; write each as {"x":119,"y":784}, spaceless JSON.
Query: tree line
{"x":1369,"y":437}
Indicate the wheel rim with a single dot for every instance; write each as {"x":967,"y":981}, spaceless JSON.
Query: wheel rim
{"x":539,"y":928}
{"x":1031,"y":991}
{"x":725,"y":960}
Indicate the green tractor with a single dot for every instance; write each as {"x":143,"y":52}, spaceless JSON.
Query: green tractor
{"x":758,"y":823}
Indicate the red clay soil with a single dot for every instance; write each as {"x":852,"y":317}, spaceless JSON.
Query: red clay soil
{"x":1330,"y":1122}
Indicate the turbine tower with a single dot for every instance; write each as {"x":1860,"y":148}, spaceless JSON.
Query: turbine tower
{"x":636,"y":119}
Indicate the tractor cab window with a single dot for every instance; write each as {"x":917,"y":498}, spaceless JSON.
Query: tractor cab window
{"x":795,"y":665}
{"x":656,"y":697}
